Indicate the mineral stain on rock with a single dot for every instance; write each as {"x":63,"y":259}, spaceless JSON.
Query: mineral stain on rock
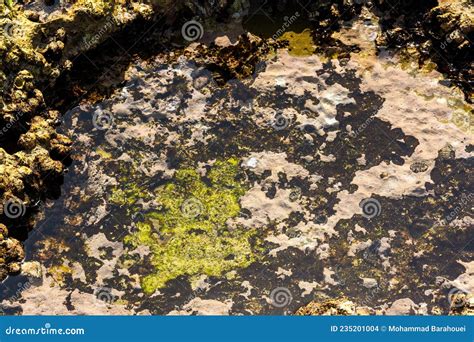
{"x":321,"y":164}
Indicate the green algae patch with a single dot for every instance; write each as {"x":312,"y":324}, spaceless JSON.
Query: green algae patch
{"x":130,"y":188}
{"x":127,"y":195}
{"x":299,"y":44}
{"x":104,"y":154}
{"x":59,"y":273}
{"x":189,"y":234}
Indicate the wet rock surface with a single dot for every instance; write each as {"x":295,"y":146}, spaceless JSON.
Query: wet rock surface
{"x":36,"y":46}
{"x":441,"y":32}
{"x":248,"y":175}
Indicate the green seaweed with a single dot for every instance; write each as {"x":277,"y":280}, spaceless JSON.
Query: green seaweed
{"x":127,"y":195}
{"x":189,"y":234}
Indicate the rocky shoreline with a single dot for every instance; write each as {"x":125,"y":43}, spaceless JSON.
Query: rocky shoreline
{"x":43,"y":51}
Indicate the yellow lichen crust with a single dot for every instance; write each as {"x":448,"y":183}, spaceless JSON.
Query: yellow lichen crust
{"x":189,"y":235}
{"x":299,"y":44}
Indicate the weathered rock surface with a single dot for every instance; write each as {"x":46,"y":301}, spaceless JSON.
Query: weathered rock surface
{"x":253,"y":176}
{"x":436,"y":31}
{"x":35,"y":49}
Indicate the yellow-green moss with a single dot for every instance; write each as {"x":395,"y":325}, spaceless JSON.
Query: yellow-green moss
{"x":104,"y":154}
{"x":127,"y":194}
{"x":300,"y":44}
{"x":189,"y":235}
{"x":59,"y":272}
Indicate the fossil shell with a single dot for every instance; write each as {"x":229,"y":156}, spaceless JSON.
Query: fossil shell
{"x":419,"y":166}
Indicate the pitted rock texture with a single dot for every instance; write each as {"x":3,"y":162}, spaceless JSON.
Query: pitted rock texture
{"x":241,"y":177}
{"x":432,"y":31}
{"x":324,"y":152}
{"x":35,"y":49}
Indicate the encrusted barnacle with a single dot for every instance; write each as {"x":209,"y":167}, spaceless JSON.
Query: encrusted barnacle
{"x":419,"y":166}
{"x":447,"y":152}
{"x":55,"y":47}
{"x":19,"y":83}
{"x":12,"y":58}
{"x":3,"y":80}
{"x":24,"y":79}
{"x":19,"y":95}
{"x":54,"y":73}
{"x":61,"y":33}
